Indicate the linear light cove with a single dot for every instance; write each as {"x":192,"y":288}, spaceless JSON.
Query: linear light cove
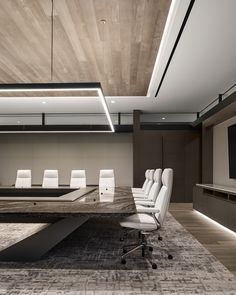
{"x":40,"y":87}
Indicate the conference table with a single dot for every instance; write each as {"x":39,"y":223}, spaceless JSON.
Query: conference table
{"x":67,"y":209}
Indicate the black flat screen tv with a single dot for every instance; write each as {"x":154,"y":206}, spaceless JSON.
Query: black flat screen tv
{"x":232,"y":150}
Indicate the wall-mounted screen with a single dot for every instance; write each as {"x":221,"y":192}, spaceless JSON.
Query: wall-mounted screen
{"x":232,"y":150}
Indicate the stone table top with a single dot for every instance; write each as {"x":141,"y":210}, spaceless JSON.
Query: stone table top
{"x":120,"y":202}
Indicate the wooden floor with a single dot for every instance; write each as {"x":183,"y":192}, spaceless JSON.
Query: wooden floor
{"x":221,"y":243}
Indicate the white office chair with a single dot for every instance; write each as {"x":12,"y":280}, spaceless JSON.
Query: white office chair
{"x":50,"y":179}
{"x":136,"y":190}
{"x":150,"y":199}
{"x":78,"y":179}
{"x":148,"y":186}
{"x":106,"y":178}
{"x":23,"y":179}
{"x":148,"y":220}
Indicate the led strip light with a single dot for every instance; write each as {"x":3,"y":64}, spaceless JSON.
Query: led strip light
{"x":216,"y":223}
{"x":39,"y":87}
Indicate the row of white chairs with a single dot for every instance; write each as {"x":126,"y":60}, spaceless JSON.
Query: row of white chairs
{"x":77,"y":179}
{"x":152,"y":203}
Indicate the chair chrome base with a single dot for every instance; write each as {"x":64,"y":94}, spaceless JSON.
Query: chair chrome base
{"x":145,"y":248}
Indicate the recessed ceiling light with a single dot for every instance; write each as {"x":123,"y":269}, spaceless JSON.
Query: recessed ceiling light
{"x":18,"y":122}
{"x":163,"y":118}
{"x":112,"y":101}
{"x":103,"y":21}
{"x":43,"y":102}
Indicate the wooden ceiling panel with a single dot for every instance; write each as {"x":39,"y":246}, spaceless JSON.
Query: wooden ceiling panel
{"x":24,"y":42}
{"x":120,"y":53}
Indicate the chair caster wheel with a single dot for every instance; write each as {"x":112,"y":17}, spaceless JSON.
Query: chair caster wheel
{"x":124,"y":251}
{"x":150,"y":249}
{"x":123,"y":261}
{"x":154,"y":266}
{"x":170,"y":256}
{"x":159,"y":238}
{"x":121,"y":239}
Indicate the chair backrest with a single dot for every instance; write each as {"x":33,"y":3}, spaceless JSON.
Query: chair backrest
{"x":152,"y":196}
{"x":163,"y":198}
{"x":77,"y":179}
{"x":23,"y":178}
{"x":150,"y":181}
{"x":50,"y":178}
{"x":146,"y":179}
{"x":106,"y":178}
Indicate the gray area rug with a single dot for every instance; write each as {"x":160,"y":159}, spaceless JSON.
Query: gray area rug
{"x":88,"y":262}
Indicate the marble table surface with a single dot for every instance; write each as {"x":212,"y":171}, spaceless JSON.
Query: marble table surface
{"x":121,"y":202}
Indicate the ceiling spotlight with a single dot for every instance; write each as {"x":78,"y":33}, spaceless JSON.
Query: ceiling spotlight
{"x":112,"y":101}
{"x":163,"y":118}
{"x":43,"y":102}
{"x":103,"y":21}
{"x":18,"y":122}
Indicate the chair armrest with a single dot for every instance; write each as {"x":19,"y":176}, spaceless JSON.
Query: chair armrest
{"x":144,"y":203}
{"x":140,"y":196}
{"x":140,"y":199}
{"x":148,"y":210}
{"x":138,"y":189}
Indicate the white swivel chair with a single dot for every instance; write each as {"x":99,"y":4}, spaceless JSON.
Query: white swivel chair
{"x":106,"y":178}
{"x":148,"y":186}
{"x":23,"y":179}
{"x":136,"y":190}
{"x":78,"y":179}
{"x":150,"y":199}
{"x":149,"y":220}
{"x":50,"y":179}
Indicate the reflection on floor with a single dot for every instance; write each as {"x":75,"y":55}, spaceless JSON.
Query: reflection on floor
{"x":219,"y":242}
{"x":88,"y":262}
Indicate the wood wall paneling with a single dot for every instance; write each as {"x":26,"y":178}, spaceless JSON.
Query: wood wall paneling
{"x":207,"y":154}
{"x":192,"y":163}
{"x":181,"y":151}
{"x":147,"y":154}
{"x":174,"y":157}
{"x":177,"y":149}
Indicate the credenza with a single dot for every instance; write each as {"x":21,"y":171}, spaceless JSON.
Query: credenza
{"x":217,"y":202}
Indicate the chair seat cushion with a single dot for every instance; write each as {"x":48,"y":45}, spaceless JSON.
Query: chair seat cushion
{"x":139,"y":221}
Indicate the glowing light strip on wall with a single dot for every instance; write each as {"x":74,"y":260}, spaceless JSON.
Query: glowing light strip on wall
{"x":40,"y":87}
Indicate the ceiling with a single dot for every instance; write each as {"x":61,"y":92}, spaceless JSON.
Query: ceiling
{"x":202,"y":66}
{"x":114,"y":42}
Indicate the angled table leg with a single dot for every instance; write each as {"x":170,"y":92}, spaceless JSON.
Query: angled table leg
{"x":36,"y":245}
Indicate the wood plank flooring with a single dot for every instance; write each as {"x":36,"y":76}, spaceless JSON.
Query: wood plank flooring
{"x":219,"y":242}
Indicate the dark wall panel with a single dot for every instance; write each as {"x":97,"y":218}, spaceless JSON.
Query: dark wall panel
{"x":192,"y":163}
{"x":177,"y":149}
{"x":207,"y":154}
{"x":147,"y":154}
{"x":174,"y":157}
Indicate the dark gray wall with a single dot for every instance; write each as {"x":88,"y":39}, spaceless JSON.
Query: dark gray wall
{"x":64,"y":152}
{"x":207,"y":154}
{"x":220,"y":154}
{"x":177,"y":149}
